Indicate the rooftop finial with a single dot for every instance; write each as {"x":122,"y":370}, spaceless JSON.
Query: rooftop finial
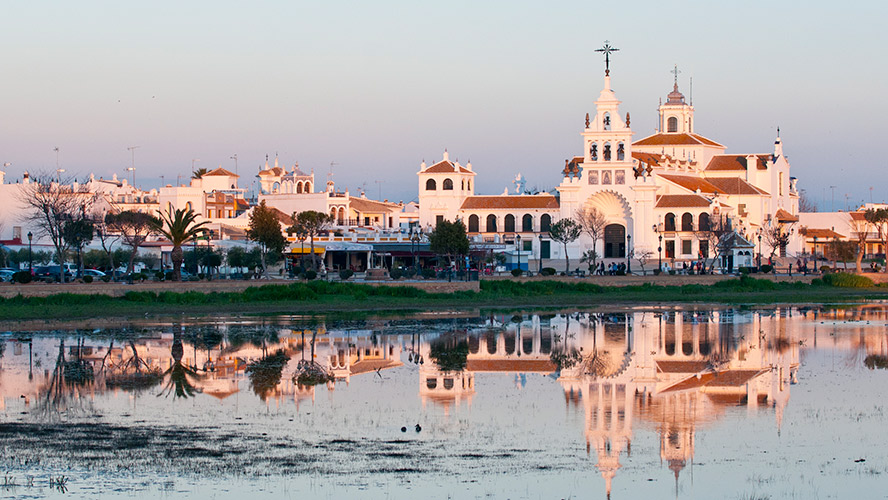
{"x":607,"y":50}
{"x":675,"y":73}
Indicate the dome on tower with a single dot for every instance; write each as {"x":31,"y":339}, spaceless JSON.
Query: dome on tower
{"x":675,"y":97}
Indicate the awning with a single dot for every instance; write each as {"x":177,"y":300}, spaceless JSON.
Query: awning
{"x":307,"y":250}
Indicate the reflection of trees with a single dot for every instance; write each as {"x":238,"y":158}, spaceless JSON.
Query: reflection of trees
{"x":259,"y":336}
{"x":133,"y":374}
{"x":309,"y":372}
{"x":180,"y":376}
{"x":450,"y":352}
{"x":68,"y":377}
{"x":874,"y":361}
{"x":265,"y":374}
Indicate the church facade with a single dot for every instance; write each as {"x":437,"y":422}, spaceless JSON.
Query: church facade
{"x":660,"y":194}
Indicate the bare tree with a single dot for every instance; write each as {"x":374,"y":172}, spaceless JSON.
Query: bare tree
{"x":642,"y":257}
{"x":592,"y":222}
{"x":777,"y":237}
{"x":50,"y":206}
{"x":806,"y":204}
{"x":714,"y":232}
{"x":134,"y":229}
{"x":879,"y":219}
{"x":107,"y":237}
{"x":860,"y":224}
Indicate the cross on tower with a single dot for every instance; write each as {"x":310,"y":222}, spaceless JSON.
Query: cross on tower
{"x":607,"y":49}
{"x":675,"y":72}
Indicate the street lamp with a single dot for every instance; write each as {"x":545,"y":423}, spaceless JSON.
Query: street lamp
{"x":628,"y":254}
{"x":518,"y":246}
{"x":30,"y":255}
{"x":132,"y":168}
{"x":540,"y":260}
{"x":660,"y":254}
{"x":760,"y":248}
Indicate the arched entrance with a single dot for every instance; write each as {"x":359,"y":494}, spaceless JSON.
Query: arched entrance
{"x":614,"y":241}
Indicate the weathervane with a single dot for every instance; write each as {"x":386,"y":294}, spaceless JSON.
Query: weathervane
{"x":607,"y":49}
{"x":675,"y":72}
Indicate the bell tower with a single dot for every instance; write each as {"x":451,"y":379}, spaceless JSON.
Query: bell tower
{"x":676,"y":116}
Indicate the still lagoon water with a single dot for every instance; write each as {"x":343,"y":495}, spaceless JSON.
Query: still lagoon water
{"x":732,"y":403}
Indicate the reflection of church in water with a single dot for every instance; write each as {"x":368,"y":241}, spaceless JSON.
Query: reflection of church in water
{"x":672,"y":371}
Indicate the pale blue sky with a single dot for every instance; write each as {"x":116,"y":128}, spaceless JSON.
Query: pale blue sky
{"x":379,"y":86}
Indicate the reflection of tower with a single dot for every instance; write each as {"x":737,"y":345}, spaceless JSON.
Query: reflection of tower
{"x":608,"y":406}
{"x":676,"y":429}
{"x":444,"y":387}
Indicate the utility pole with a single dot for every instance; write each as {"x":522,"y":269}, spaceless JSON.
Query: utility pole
{"x":235,"y":163}
{"x":379,"y":185}
{"x":59,"y":170}
{"x":132,"y":149}
{"x":832,"y":203}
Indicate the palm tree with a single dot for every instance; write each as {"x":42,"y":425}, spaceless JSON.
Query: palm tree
{"x":179,"y":227}
{"x":199,"y":173}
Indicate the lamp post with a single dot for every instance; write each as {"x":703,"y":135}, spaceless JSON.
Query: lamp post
{"x":760,"y":249}
{"x":518,"y":246}
{"x":815,"y":255}
{"x":540,"y":270}
{"x":628,"y":254}
{"x":660,"y":254}
{"x":30,"y":255}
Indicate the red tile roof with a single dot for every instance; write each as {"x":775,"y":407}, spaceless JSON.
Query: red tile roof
{"x":510,"y":365}
{"x":692,"y":183}
{"x":368,"y":206}
{"x":649,"y":158}
{"x":372,"y":365}
{"x":784,"y":216}
{"x":221,"y":171}
{"x":681,"y":201}
{"x":821,"y":233}
{"x":736,"y":162}
{"x":446,"y":166}
{"x":734,"y":185}
{"x":506,"y":202}
{"x":676,"y":140}
{"x":667,"y":366}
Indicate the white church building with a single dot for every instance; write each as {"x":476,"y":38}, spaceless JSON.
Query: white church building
{"x":656,"y":192}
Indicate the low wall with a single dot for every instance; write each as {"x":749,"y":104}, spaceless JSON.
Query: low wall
{"x":117,"y":289}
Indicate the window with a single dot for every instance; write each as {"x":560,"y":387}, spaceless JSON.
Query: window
{"x":447,"y":185}
{"x":672,"y":124}
{"x":473,"y":223}
{"x":527,"y":245}
{"x":670,"y":222}
{"x":686,"y":247}
{"x":606,"y":177}
{"x":704,"y":249}
{"x":545,"y":249}
{"x":527,"y":223}
{"x":607,"y":121}
{"x":687,"y":222}
{"x":621,"y":152}
{"x":462,"y":185}
{"x":619,"y":177}
{"x":593,"y":177}
{"x":509,"y":224}
{"x":545,"y":223}
{"x":491,"y":223}
{"x":307,"y":188}
{"x":469,"y":185}
{"x":670,"y":249}
{"x":780,"y":186}
{"x":593,"y":151}
{"x":430,"y":185}
{"x":298,"y":188}
{"x":188,"y":206}
{"x":607,"y":152}
{"x":438,"y":219}
{"x":703,"y":223}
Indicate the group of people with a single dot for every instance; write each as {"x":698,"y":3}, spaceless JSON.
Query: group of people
{"x":613,"y":269}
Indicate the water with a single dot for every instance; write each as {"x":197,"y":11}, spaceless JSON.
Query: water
{"x":652,"y":403}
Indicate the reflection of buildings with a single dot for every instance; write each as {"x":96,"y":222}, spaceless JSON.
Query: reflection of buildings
{"x":675,"y":371}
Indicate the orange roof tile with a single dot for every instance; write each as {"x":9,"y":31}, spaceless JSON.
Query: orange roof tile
{"x":510,"y":365}
{"x":784,"y":216}
{"x":372,"y":365}
{"x":821,"y":233}
{"x":692,"y":382}
{"x":445,"y":166}
{"x":736,"y":162}
{"x":221,"y":171}
{"x":734,"y":378}
{"x":692,"y":183}
{"x":681,"y":201}
{"x":734,"y":185}
{"x":281,"y":216}
{"x":649,"y":158}
{"x":276,"y":171}
{"x":506,"y":202}
{"x":676,"y":140}
{"x":366,"y":206}
{"x":667,"y":366}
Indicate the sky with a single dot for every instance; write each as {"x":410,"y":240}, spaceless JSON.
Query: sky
{"x":375,"y":88}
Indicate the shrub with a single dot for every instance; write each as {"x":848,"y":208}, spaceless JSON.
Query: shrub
{"x":548,"y":271}
{"x":22,"y":277}
{"x":767,"y":268}
{"x":817,"y":282}
{"x":847,"y":280}
{"x":396,"y":273}
{"x":310,"y":274}
{"x":428,"y":274}
{"x":672,"y":272}
{"x":657,"y":272}
{"x":825,"y":269}
{"x":345,"y":274}
{"x":517,"y":272}
{"x":159,"y":276}
{"x":87,"y":279}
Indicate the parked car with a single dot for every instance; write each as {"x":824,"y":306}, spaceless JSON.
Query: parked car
{"x":51,"y":273}
{"x":6,"y":274}
{"x":95,"y":273}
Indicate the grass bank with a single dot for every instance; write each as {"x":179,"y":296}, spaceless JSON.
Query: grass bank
{"x":324,"y":297}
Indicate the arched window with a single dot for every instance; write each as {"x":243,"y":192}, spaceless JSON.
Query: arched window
{"x":462,"y":185}
{"x":672,"y":124}
{"x":687,"y":222}
{"x":621,"y":152}
{"x":276,"y":187}
{"x":593,"y":151}
{"x":188,"y":206}
{"x":473,"y":223}
{"x":469,"y":185}
{"x":333,"y":213}
{"x":447,"y":185}
{"x":527,"y":223}
{"x":491,"y":223}
{"x":607,"y":152}
{"x":703,"y":223}
{"x":607,"y":121}
{"x":430,"y":185}
{"x":509,"y":224}
{"x":298,"y":188}
{"x":307,"y":188}
{"x":670,"y":222}
{"x":545,"y":223}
